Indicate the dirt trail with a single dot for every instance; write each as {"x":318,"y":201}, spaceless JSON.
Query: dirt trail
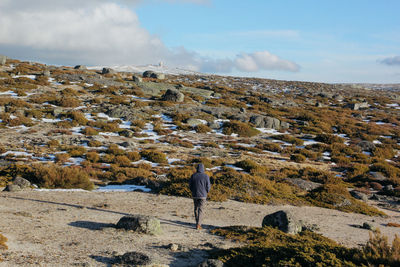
{"x":75,"y":228}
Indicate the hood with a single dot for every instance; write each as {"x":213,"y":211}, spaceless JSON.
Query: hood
{"x":200,"y":167}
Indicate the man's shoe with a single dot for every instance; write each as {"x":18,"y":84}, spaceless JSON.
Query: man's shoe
{"x":198,"y":227}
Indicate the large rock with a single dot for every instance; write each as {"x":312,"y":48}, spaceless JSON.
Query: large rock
{"x":173,"y":95}
{"x":212,"y":263}
{"x":3,"y":60}
{"x":194,"y":122}
{"x":140,"y":224}
{"x":18,"y":184}
{"x":137,"y":79}
{"x":133,"y":258}
{"x":357,"y":106}
{"x":268,"y":122}
{"x":284,"y":221}
{"x":148,"y":74}
{"x":366,"y":146}
{"x":80,"y":67}
{"x":304,"y":184}
{"x":107,"y":71}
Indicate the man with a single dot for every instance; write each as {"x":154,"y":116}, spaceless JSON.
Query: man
{"x":200,"y":185}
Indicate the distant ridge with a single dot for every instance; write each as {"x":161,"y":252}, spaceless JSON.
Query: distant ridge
{"x":160,"y":68}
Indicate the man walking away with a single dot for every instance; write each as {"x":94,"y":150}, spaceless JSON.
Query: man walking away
{"x":200,"y":185}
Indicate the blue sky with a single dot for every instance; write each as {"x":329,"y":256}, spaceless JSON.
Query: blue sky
{"x":327,"y":41}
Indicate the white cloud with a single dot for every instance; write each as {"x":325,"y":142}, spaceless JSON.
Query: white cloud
{"x":105,"y":32}
{"x":391,"y":61}
{"x":263,"y":60}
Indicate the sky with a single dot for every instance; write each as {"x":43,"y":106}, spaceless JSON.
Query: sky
{"x":306,"y":40}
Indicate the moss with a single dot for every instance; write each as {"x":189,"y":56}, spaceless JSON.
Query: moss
{"x":89,"y":131}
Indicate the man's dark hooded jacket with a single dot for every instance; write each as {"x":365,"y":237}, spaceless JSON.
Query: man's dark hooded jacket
{"x":199,"y":183}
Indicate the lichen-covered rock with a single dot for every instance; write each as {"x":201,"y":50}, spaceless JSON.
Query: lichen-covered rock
{"x":133,"y":258}
{"x":284,"y":221}
{"x":212,"y":263}
{"x":18,"y":184}
{"x":3,"y":59}
{"x":173,"y":95}
{"x":148,"y":74}
{"x":141,"y":224}
{"x":137,"y":79}
{"x":80,"y":67}
{"x":303,"y":184}
{"x":194,"y":122}
{"x":107,"y":71}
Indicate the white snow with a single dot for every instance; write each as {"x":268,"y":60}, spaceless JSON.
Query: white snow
{"x":122,"y":188}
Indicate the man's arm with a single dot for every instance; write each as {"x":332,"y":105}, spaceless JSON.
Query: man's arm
{"x":208,"y":184}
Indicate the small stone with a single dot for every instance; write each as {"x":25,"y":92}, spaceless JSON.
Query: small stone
{"x":133,"y":258}
{"x":173,"y":247}
{"x":212,"y":263}
{"x":368,"y":226}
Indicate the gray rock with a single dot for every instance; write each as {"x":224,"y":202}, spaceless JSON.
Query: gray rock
{"x":173,"y":95}
{"x":258,"y":121}
{"x":160,"y":76}
{"x":388,"y":188}
{"x":194,"y":122}
{"x":284,"y":221}
{"x":47,"y":73}
{"x":359,"y":195}
{"x":127,"y":133}
{"x":80,"y":67}
{"x":320,"y":105}
{"x":133,"y":258}
{"x":378,"y":176}
{"x":214,"y":125}
{"x":357,"y":106}
{"x":304,"y":184}
{"x":148,"y":74}
{"x":141,"y":224}
{"x":272,"y":123}
{"x":107,"y":71}
{"x":173,"y":247}
{"x":212,"y":263}
{"x":3,"y":60}
{"x":341,"y":202}
{"x":368,"y":226}
{"x":285,"y":125}
{"x":366,"y":146}
{"x":18,"y":184}
{"x":137,"y":79}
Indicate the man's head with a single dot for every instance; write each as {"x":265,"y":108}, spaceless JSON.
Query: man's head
{"x":200,"y":167}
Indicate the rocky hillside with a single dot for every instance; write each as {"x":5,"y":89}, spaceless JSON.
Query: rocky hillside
{"x":262,"y":141}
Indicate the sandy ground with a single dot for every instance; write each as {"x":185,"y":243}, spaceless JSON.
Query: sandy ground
{"x":75,"y":228}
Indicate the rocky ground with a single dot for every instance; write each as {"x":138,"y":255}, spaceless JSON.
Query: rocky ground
{"x":77,"y":228}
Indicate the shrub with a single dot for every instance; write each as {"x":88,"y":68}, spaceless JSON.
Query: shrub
{"x":154,"y":156}
{"x":133,"y":156}
{"x":297,"y":158}
{"x":62,"y":157}
{"x":53,"y":143}
{"x":67,"y":102}
{"x":274,"y":147}
{"x":76,"y":151}
{"x":94,"y":143}
{"x":77,"y":117}
{"x":115,"y":150}
{"x":89,"y":131}
{"x":268,"y":246}
{"x":329,"y":138}
{"x":336,"y":196}
{"x":53,"y":176}
{"x":3,"y":245}
{"x":211,"y":144}
{"x":201,"y":128}
{"x":289,"y":139}
{"x":251,"y":167}
{"x":92,"y":156}
{"x":379,"y":252}
{"x":240,"y":128}
{"x":123,"y":161}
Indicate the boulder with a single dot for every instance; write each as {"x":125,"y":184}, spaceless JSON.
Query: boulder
{"x":141,"y":224}
{"x":18,"y":184}
{"x":107,"y":71}
{"x":148,"y":74}
{"x":359,"y":195}
{"x":268,"y":122}
{"x":160,"y":76}
{"x":378,"y":176}
{"x":80,"y":67}
{"x":3,"y":60}
{"x":173,"y":95}
{"x":304,"y":184}
{"x":272,"y":123}
{"x":368,"y":226}
{"x":46,"y":73}
{"x":194,"y":122}
{"x":133,"y":258}
{"x":212,"y":263}
{"x":284,"y":221}
{"x":137,"y":79}
{"x":366,"y":146}
{"x":357,"y":106}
